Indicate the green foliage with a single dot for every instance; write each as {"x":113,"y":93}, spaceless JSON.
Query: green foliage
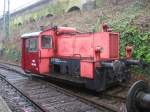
{"x":12,"y":54}
{"x":139,"y":40}
{"x":129,"y":34}
{"x":99,"y":22}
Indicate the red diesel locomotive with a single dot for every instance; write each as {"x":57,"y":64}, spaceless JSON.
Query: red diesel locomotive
{"x":88,"y":58}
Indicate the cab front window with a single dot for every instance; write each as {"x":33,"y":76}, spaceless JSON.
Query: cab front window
{"x":46,"y":41}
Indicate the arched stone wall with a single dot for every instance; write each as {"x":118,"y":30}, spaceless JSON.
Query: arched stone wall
{"x":74,"y":8}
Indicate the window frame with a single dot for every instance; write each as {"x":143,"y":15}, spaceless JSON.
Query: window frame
{"x":28,"y":45}
{"x":51,"y":41}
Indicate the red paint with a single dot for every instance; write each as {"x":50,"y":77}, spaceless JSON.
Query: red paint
{"x":45,"y":54}
{"x":62,"y":30}
{"x":87,"y":69}
{"x":67,"y":43}
{"x":30,"y":60}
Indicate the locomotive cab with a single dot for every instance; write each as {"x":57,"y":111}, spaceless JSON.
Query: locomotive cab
{"x":30,"y":53}
{"x":37,"y":47}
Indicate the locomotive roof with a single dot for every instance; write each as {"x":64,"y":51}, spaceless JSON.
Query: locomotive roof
{"x":33,"y":34}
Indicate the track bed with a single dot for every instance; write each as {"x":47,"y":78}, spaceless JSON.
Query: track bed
{"x":53,"y":98}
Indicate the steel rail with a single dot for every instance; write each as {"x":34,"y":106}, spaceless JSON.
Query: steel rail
{"x":95,"y":103}
{"x":21,"y":92}
{"x":87,"y":100}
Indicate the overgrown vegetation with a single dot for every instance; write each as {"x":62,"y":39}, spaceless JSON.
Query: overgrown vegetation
{"x":140,"y":41}
{"x":37,"y":15}
{"x":12,"y":53}
{"x":130,"y":33}
{"x":141,"y":47}
{"x":50,"y":9}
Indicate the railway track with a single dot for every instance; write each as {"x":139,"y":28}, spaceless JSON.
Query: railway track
{"x":118,"y":93}
{"x":56,"y":98}
{"x":16,"y":99}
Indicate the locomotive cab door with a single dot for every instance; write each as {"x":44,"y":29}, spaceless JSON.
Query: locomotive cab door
{"x":31,"y":54}
{"x":46,"y":52}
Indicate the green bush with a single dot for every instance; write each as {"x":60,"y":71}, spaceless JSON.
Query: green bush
{"x":12,"y":54}
{"x":139,"y":40}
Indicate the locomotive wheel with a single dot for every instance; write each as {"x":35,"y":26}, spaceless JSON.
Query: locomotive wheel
{"x":131,"y":104}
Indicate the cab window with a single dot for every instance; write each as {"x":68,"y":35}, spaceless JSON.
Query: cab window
{"x":31,"y":44}
{"x":46,"y":41}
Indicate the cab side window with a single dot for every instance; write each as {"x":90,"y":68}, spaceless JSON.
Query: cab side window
{"x":46,"y":41}
{"x":31,"y":45}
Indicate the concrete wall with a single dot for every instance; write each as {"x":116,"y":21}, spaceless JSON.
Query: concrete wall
{"x":32,"y":8}
{"x":69,"y":5}
{"x":82,"y":4}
